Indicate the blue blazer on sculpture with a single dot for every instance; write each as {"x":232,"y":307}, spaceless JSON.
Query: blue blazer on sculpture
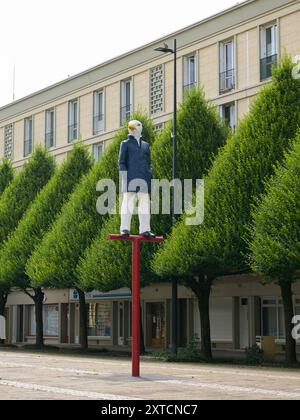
{"x":135,"y":159}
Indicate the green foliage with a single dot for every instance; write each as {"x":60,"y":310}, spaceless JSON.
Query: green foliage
{"x":199,"y":135}
{"x":23,"y":189}
{"x":105,"y":265}
{"x":254,"y":355}
{"x":40,"y":216}
{"x":54,"y":261}
{"x":275,"y":232}
{"x":6,"y":174}
{"x":238,"y":175}
{"x":190,"y":353}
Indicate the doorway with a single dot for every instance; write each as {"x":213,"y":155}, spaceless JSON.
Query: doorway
{"x":20,"y":324}
{"x":244,"y":323}
{"x":121,"y":326}
{"x":156,"y":325}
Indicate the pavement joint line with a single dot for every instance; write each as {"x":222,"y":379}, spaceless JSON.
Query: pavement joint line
{"x":234,"y":388}
{"x":66,"y":391}
{"x":198,"y":372}
{"x":54,"y":369}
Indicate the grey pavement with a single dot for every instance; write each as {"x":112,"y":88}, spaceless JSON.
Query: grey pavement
{"x":46,"y":376}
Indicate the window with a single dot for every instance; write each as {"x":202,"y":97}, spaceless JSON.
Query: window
{"x":73,"y":120}
{"x":157,"y":90}
{"x":98,"y":151}
{"x":28,"y":136}
{"x":50,"y":320}
{"x":98,"y":119}
{"x":227,"y":114}
{"x":268,"y":50}
{"x":100,"y":319}
{"x":49,"y":128}
{"x":227,"y":71}
{"x":273,"y":318}
{"x":126,"y":100}
{"x":159,"y":127}
{"x":8,"y":141}
{"x":189,"y":72}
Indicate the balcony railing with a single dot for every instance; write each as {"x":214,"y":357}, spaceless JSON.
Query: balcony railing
{"x":266,"y":65}
{"x":98,"y":123}
{"x":73,"y":132}
{"x":227,"y":80}
{"x":49,"y":139}
{"x":126,"y":111}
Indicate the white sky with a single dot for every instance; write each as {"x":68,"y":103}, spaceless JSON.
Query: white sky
{"x":48,"y":40}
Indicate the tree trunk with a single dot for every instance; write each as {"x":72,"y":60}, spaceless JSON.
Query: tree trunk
{"x":3,"y":299}
{"x":287,"y":300}
{"x":202,"y":291}
{"x":83,"y":334}
{"x":38,"y":301}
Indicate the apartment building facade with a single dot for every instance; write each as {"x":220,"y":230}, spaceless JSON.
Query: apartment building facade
{"x":231,"y":55}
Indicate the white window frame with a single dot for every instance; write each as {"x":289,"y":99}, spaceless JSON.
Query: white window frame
{"x":263,"y":40}
{"x":27,"y":139}
{"x":98,"y":123}
{"x":232,"y":106}
{"x":187,"y":82}
{"x":278,"y":305}
{"x":47,"y":120}
{"x":71,"y":120}
{"x":227,"y":69}
{"x":124,"y":102}
{"x":96,"y":151}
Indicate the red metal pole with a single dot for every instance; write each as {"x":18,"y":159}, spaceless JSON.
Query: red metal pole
{"x":136,"y":288}
{"x":136,"y":313}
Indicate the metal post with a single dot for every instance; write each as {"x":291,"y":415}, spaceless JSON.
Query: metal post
{"x":136,"y":316}
{"x":174,"y":280}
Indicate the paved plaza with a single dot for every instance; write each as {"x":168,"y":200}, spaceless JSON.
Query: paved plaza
{"x":46,"y":376}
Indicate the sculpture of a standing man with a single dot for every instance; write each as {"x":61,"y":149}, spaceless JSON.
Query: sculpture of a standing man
{"x":136,"y":172}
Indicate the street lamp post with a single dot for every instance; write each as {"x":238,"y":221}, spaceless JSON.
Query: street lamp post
{"x":166,"y":49}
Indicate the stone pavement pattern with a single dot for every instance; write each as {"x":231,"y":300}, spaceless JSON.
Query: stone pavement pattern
{"x":46,"y":376}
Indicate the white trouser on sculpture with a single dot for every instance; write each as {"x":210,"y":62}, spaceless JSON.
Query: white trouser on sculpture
{"x":2,"y":328}
{"x":128,"y":207}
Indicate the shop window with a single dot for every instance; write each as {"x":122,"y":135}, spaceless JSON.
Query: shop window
{"x":50,"y":320}
{"x":100,"y":319}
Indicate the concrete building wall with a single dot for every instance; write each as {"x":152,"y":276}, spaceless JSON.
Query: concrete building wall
{"x":290,"y":34}
{"x":112,"y":109}
{"x":141,"y":92}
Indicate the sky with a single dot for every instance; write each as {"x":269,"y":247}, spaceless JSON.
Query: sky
{"x":48,"y":41}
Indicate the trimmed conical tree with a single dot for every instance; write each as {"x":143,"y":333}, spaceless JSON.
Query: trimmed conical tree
{"x":200,"y":134}
{"x":54,"y":261}
{"x":275,"y":233}
{"x":6,"y":175}
{"x":218,"y":246}
{"x":35,"y":223}
{"x":106,"y":264}
{"x":20,"y":192}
